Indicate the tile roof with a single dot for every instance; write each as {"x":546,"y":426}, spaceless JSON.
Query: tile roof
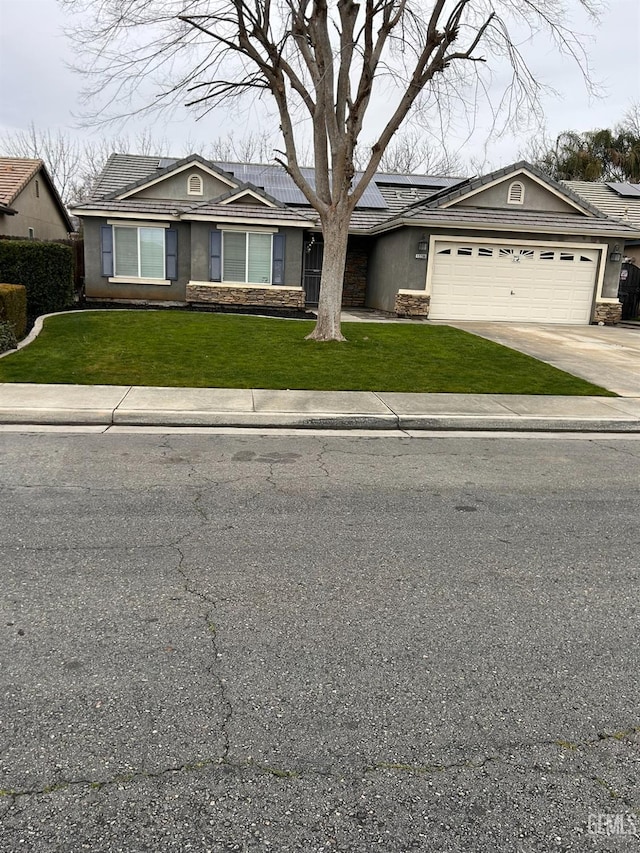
{"x":131,"y":205}
{"x":174,"y":209}
{"x":123,"y":171}
{"x":508,"y":220}
{"x":15,"y":174}
{"x":395,"y":199}
{"x":608,"y":201}
{"x":464,"y":187}
{"x":120,"y":170}
{"x":249,"y":211}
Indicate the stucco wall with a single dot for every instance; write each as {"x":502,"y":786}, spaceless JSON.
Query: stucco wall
{"x":98,"y":286}
{"x":38,"y":212}
{"x":612,"y":272}
{"x":393,"y":266}
{"x":536,"y":197}
{"x":193,"y":263}
{"x":175,"y":187}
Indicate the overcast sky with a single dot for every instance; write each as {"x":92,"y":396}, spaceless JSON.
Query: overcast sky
{"x":38,"y":87}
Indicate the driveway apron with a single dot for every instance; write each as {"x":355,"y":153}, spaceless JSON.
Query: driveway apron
{"x":606,"y":355}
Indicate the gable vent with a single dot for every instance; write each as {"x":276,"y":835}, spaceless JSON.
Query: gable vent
{"x":516,"y":193}
{"x":194,"y":185}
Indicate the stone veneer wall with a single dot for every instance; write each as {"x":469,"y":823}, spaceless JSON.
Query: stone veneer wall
{"x":355,"y":274}
{"x":412,"y":304}
{"x":608,"y":313}
{"x":271,"y":296}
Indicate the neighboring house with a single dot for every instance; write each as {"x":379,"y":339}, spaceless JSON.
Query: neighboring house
{"x":512,"y":245}
{"x":30,"y":206}
{"x":617,"y":200}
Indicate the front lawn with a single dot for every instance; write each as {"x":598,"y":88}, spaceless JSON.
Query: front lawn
{"x":178,"y":348}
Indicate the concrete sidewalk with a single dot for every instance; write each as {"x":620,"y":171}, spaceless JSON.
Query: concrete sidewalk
{"x":119,"y":405}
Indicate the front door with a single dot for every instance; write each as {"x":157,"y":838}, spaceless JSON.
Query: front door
{"x":312,"y":268}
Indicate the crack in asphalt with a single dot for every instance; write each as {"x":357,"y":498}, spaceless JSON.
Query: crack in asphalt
{"x":222,"y":761}
{"x":191,"y":589}
{"x":618,"y":449}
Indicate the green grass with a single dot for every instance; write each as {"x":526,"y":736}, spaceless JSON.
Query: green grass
{"x":177,"y":348}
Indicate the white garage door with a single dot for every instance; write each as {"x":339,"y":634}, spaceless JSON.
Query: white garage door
{"x":493,"y":281}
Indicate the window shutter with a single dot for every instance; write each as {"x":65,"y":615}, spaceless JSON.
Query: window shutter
{"x":215,"y":255}
{"x":277,"y":273}
{"x":171,"y":253}
{"x":106,"y":249}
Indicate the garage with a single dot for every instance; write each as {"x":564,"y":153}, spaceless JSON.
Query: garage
{"x":541,"y":283}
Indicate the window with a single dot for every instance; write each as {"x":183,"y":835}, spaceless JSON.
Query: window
{"x":31,"y":233}
{"x":566,"y":256}
{"x":444,"y":252}
{"x":484,"y":252}
{"x":246,"y":257}
{"x":139,"y":252}
{"x":516,"y":193}
{"x":547,"y":256}
{"x":37,"y":189}
{"x":517,"y":255}
{"x":465,"y":250}
{"x":194,"y":185}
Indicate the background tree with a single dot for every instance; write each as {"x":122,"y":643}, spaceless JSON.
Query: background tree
{"x":412,"y":151}
{"x":72,"y":162}
{"x":322,"y":63}
{"x":593,"y":155}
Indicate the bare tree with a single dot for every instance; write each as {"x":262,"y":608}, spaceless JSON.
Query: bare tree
{"x":413,"y":151}
{"x":322,"y":63}
{"x":72,"y":162}
{"x":631,"y":120}
{"x":61,"y":154}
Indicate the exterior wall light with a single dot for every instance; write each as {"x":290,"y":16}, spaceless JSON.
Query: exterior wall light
{"x":616,"y":255}
{"x":423,"y":246}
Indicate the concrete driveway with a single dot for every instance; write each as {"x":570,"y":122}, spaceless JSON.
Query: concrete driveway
{"x":606,"y":355}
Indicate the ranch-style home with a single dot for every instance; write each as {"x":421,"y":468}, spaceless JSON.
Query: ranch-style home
{"x":30,"y":206}
{"x":512,"y":245}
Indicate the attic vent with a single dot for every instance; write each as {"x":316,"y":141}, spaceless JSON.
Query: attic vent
{"x":194,"y":185}
{"x":516,"y":193}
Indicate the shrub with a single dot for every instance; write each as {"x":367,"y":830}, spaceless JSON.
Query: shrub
{"x":13,"y":307}
{"x":7,"y":336}
{"x":45,"y":269}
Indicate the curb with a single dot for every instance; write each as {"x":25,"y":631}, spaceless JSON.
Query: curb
{"x":380,"y":422}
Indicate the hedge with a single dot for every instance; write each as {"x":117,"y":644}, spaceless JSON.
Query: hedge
{"x":45,"y":270}
{"x":7,"y":336}
{"x":13,"y":307}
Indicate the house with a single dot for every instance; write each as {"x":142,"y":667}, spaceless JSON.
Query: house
{"x":30,"y":206}
{"x":618,"y":200}
{"x":512,"y":245}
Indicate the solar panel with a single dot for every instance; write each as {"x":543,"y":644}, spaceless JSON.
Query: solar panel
{"x":415,"y":180}
{"x":626,"y":190}
{"x":275,"y":181}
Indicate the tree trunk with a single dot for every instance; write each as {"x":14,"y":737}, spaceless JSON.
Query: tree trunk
{"x":335,"y":230}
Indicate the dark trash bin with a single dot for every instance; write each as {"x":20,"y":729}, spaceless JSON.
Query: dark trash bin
{"x":629,"y":291}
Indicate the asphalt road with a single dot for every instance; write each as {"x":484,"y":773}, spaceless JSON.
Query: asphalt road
{"x":221,"y":643}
